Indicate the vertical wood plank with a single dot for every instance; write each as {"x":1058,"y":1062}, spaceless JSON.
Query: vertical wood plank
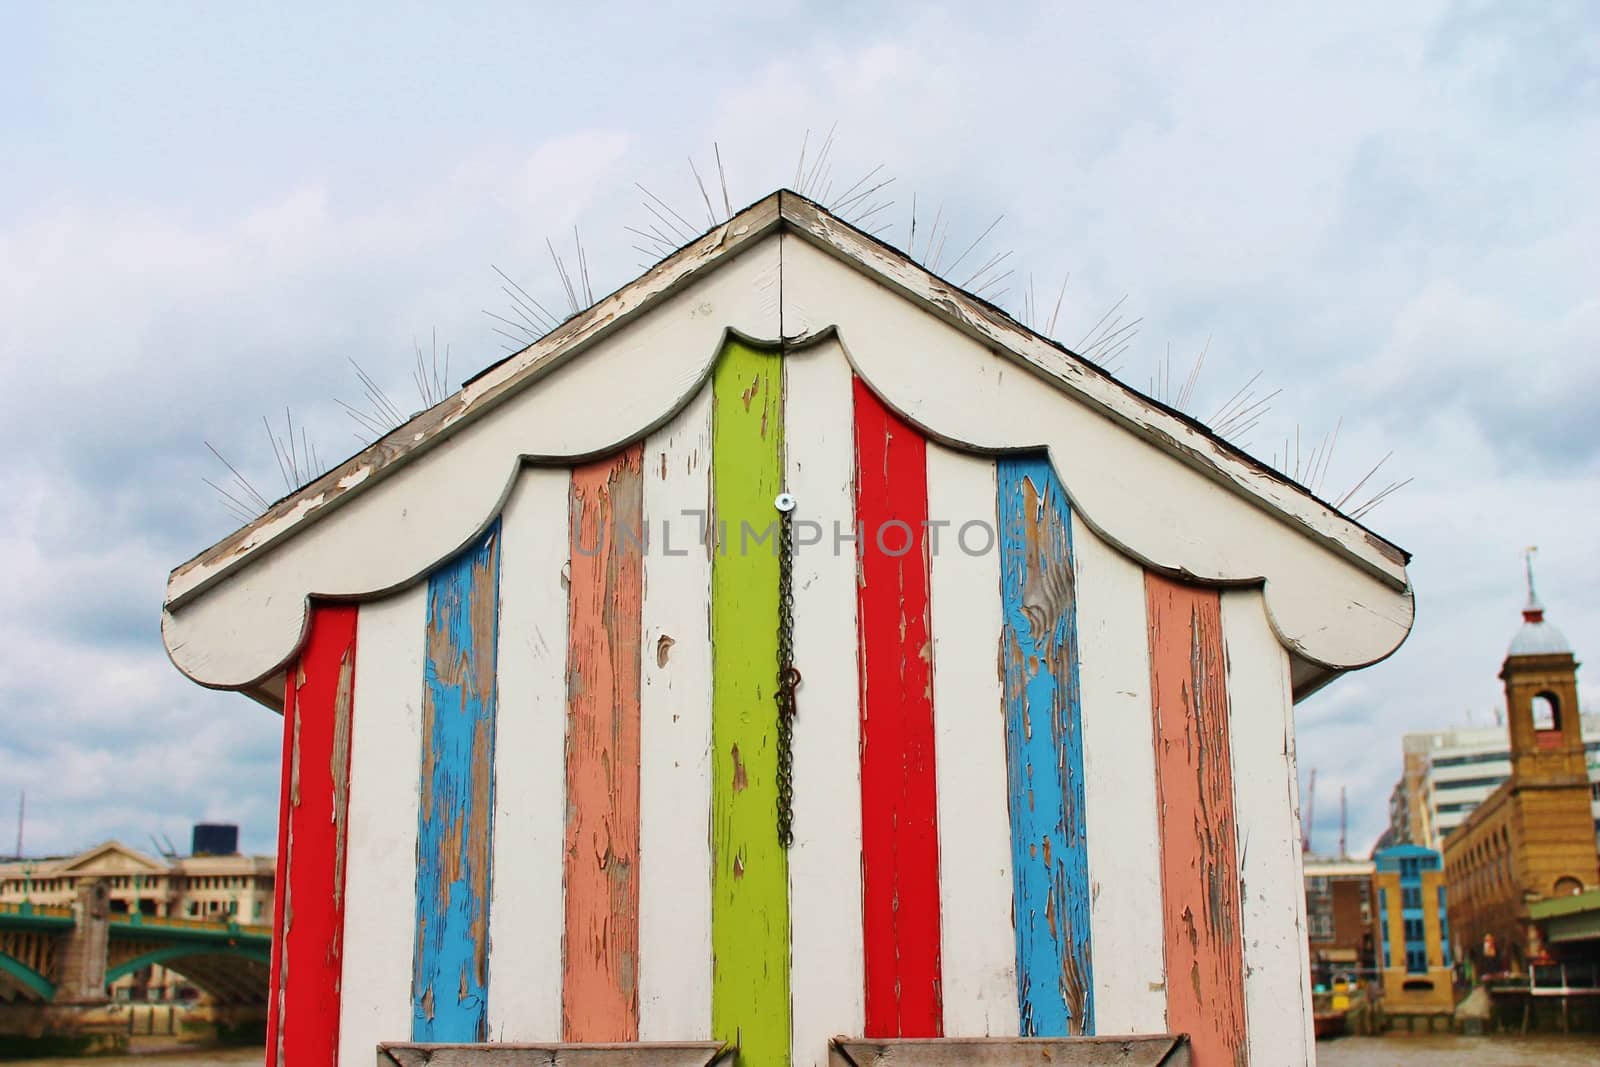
{"x":1119,"y":788}
{"x":675,"y":728}
{"x":381,"y":861}
{"x":825,"y":862}
{"x":1044,"y":750}
{"x":1199,"y":864}
{"x":899,"y":795}
{"x":600,"y":994}
{"x":527,"y":906}
{"x":750,"y":903}
{"x":1277,"y":996}
{"x":277,"y":970}
{"x":455,"y":819}
{"x":979,"y":961}
{"x":318,"y":712}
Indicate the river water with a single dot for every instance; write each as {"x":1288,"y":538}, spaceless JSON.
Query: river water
{"x":1450,"y":1050}
{"x":1393,"y":1050}
{"x":233,"y":1057}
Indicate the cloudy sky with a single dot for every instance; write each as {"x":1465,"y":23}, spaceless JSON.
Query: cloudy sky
{"x":204,"y":210}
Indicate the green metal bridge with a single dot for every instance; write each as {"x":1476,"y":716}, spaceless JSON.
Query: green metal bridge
{"x":49,"y":954}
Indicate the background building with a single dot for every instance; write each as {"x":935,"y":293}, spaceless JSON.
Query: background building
{"x":214,"y":888}
{"x":1339,"y":917}
{"x":1413,"y":930}
{"x":1448,"y":773}
{"x":1533,"y":838}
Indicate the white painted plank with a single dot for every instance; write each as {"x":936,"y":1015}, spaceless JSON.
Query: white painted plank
{"x":1141,"y":493}
{"x":825,"y":862}
{"x":1119,"y":787}
{"x":380,"y":862}
{"x":423,"y":511}
{"x":1261,"y":736}
{"x":891,"y":272}
{"x":979,"y":951}
{"x":675,"y":735}
{"x":526,"y":911}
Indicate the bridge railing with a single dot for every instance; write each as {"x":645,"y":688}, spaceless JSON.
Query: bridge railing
{"x":182,"y":922}
{"x":1564,"y":979}
{"x":43,"y":911}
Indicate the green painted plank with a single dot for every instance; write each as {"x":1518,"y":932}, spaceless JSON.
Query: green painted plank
{"x":750,"y":875}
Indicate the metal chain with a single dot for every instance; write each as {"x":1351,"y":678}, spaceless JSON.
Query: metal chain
{"x":788,"y":676}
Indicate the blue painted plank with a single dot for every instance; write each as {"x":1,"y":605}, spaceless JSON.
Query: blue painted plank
{"x":455,"y":819}
{"x":1044,"y":751}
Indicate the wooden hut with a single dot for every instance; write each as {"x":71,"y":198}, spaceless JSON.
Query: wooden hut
{"x":1013,"y":660}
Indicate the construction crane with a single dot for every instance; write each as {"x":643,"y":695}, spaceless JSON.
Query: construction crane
{"x":1305,"y":826}
{"x":1343,"y":823}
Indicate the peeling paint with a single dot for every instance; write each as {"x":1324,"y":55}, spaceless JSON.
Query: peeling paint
{"x":304,"y":1000}
{"x":1044,"y":750}
{"x":1194,"y":788}
{"x":750,"y":871}
{"x":899,"y":793}
{"x":599,"y":999}
{"x":456,"y":816}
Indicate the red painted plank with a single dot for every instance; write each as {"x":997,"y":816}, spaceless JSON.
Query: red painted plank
{"x":280,"y":876}
{"x":1194,"y":787}
{"x":308,"y":915}
{"x":599,"y":992}
{"x":899,"y":827}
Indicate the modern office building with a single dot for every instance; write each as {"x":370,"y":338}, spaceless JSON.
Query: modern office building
{"x":1415,"y":962}
{"x":1448,"y":773}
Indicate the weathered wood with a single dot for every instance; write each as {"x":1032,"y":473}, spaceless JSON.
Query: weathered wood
{"x":1199,"y":835}
{"x":646,"y":1054}
{"x":303,"y":1027}
{"x":527,"y":911}
{"x":632,"y":382}
{"x":1156,"y":500}
{"x":455,"y":823}
{"x":1243,"y":476}
{"x":1134,"y":1051}
{"x":825,"y":862}
{"x":979,"y":954}
{"x":1044,"y":750}
{"x":675,"y":723}
{"x":899,"y":806}
{"x":276,"y":1002}
{"x":1120,"y":788}
{"x":750,"y":886}
{"x":669,"y":279}
{"x":1277,"y":965}
{"x":600,"y":994}
{"x":382,"y":855}
{"x":1177,"y":497}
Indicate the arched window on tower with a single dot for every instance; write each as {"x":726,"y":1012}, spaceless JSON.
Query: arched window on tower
{"x":1547,"y":720}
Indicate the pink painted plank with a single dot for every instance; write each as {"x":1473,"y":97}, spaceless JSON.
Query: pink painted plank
{"x":1194,"y":788}
{"x":599,"y":991}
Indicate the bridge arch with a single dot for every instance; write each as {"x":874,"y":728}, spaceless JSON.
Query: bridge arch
{"x":24,"y":980}
{"x":236,"y":974}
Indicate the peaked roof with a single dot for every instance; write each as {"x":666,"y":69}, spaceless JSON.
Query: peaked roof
{"x":110,"y":854}
{"x":762,"y":291}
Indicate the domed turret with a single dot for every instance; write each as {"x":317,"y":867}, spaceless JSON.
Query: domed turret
{"x":1536,"y":637}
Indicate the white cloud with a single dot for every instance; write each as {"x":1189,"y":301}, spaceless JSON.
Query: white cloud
{"x":1383,"y":209}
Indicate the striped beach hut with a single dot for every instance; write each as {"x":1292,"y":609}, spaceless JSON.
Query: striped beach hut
{"x":790,"y":657}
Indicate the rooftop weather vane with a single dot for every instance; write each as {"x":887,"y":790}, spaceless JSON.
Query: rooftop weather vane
{"x":1534,"y":611}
